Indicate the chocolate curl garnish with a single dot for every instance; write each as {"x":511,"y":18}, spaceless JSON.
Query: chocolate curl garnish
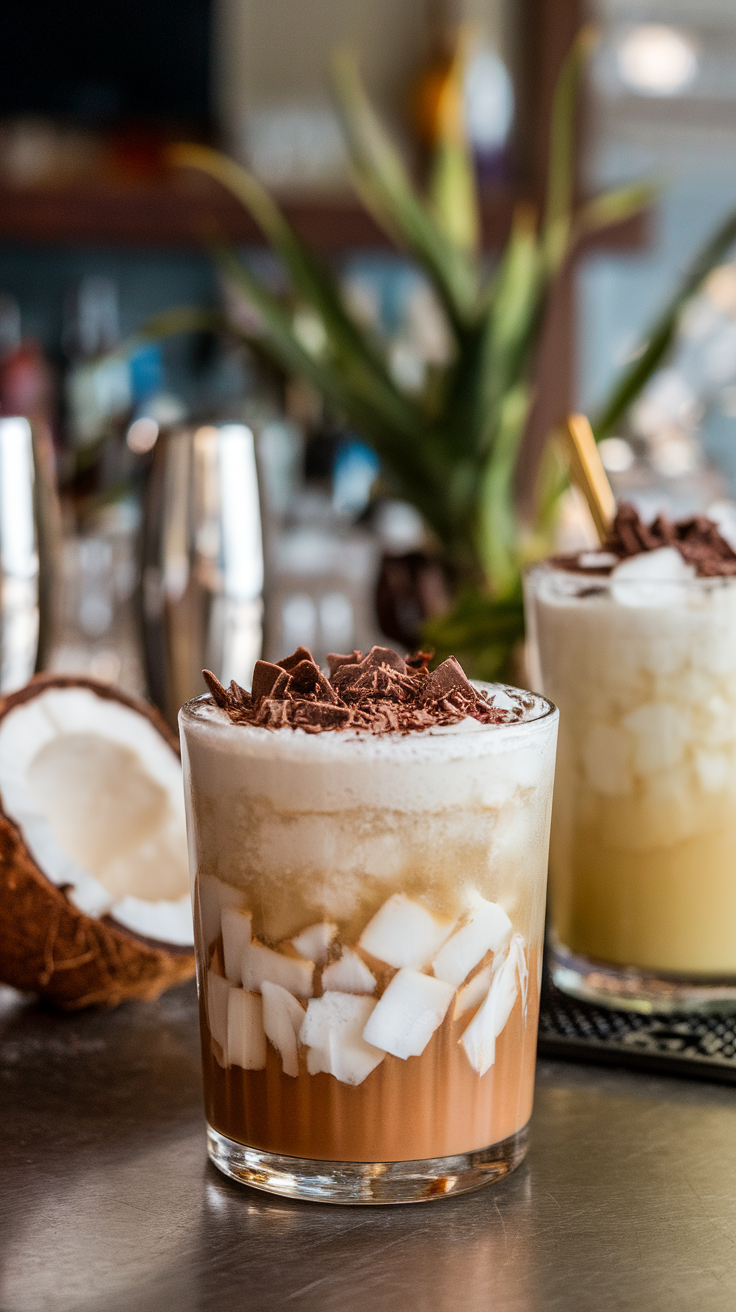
{"x":238,"y":695}
{"x":377,"y":693}
{"x":384,"y":657}
{"x":271,"y":714}
{"x":336,"y":662}
{"x":698,"y":541}
{"x":301,"y":654}
{"x":448,"y":679}
{"x":307,"y":680}
{"x":265,"y":675}
{"x":314,"y":717}
{"x":218,"y":692}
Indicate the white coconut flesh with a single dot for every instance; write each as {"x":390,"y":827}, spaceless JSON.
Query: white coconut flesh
{"x":97,"y":794}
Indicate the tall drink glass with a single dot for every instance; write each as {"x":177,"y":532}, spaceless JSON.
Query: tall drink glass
{"x":643,"y":849}
{"x":369,"y":915}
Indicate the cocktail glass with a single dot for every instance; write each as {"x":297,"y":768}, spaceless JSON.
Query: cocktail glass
{"x":643,"y":848}
{"x":369,"y":919}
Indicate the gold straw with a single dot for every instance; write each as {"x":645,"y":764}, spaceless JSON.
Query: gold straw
{"x":587,"y":472}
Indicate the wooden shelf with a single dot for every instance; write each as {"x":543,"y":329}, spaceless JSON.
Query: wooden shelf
{"x":180,"y":210}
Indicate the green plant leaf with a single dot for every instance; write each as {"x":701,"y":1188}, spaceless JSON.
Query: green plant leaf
{"x":385,"y":189}
{"x":498,"y":541}
{"x":184,"y":319}
{"x":310,"y":278}
{"x":480,"y":632}
{"x":658,"y":341}
{"x":511,"y":325}
{"x":562,"y":154}
{"x":417,"y":462}
{"x":613,"y":207}
{"x":452,"y":192}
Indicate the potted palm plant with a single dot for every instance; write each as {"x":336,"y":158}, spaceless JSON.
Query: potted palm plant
{"x":452,"y":449}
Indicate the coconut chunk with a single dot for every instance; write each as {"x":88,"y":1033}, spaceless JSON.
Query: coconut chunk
{"x":488,"y":930}
{"x":348,"y":975}
{"x":213,"y":896}
{"x":91,"y":779}
{"x":408,"y":1013}
{"x":282,"y":1021}
{"x":218,"y":993}
{"x":653,"y":578}
{"x":246,"y":1038}
{"x":405,"y":933}
{"x":94,"y":878}
{"x":479,"y":1039}
{"x":167,"y":922}
{"x":333,"y":1033}
{"x":236,"y":932}
{"x":315,"y":942}
{"x":261,"y":963}
{"x":472,"y":995}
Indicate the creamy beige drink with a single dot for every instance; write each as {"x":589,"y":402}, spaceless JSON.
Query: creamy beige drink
{"x":370,"y":906}
{"x":637,"y":646}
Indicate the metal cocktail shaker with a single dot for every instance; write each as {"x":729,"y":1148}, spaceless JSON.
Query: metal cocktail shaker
{"x":202,"y":562}
{"x":29,"y":550}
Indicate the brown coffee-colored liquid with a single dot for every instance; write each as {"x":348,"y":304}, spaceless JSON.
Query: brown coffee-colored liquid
{"x":434,"y":1105}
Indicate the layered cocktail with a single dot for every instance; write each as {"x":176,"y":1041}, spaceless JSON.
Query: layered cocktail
{"x":637,"y":646}
{"x":369,"y":856}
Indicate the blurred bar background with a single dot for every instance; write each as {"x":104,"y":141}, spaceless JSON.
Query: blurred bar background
{"x":97,"y":236}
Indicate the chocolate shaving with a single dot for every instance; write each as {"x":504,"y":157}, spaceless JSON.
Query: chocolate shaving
{"x":698,"y":541}
{"x":265,"y":676}
{"x":301,"y":654}
{"x":334,"y":661}
{"x":218,"y":692}
{"x":448,"y":679}
{"x":379,"y":693}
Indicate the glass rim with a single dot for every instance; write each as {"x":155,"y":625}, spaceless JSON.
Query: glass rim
{"x":548,"y":708}
{"x":599,"y":579}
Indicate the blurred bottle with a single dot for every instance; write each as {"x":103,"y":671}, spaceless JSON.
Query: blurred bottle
{"x":485,"y":92}
{"x":28,"y":390}
{"x":99,"y":630}
{"x":430,"y":82}
{"x":96,"y":388}
{"x":26,"y":378}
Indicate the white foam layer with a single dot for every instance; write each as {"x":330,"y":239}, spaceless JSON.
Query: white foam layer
{"x":320,"y":830}
{"x":454,"y":765}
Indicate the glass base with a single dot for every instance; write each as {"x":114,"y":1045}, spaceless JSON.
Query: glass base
{"x":366,"y":1182}
{"x":629,"y":989}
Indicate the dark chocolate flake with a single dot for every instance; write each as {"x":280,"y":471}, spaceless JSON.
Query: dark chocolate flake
{"x":449,"y":677}
{"x":219,"y":693}
{"x":378,"y":693}
{"x":265,"y":676}
{"x":301,"y":654}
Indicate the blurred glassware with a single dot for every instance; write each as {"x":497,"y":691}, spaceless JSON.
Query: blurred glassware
{"x":294,"y":145}
{"x":322,"y":573}
{"x":97,"y":385}
{"x":27,"y":383}
{"x":28,"y":551}
{"x":202,"y":562}
{"x":98,"y":624}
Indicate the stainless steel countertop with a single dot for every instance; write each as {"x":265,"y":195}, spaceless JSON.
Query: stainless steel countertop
{"x":626,"y":1203}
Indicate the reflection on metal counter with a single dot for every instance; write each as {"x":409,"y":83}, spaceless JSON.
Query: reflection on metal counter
{"x":202,"y":578}
{"x":19,"y":555}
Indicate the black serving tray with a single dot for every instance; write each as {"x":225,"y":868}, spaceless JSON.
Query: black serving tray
{"x":701,"y":1047}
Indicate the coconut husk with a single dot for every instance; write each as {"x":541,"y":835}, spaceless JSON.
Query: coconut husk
{"x":48,"y":946}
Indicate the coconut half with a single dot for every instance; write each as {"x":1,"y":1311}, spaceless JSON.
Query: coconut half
{"x":94,"y":878}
